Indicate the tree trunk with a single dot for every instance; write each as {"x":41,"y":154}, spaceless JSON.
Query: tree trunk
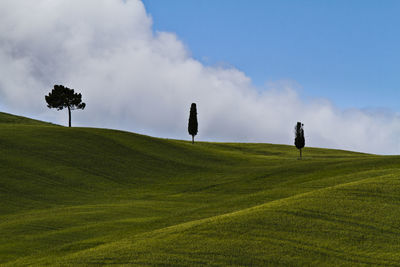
{"x":69,"y":116}
{"x":192,"y":139}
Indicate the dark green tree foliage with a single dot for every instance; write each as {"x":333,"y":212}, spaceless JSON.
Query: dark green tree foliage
{"x":63,"y":97}
{"x":193,"y":125}
{"x":299,"y":140}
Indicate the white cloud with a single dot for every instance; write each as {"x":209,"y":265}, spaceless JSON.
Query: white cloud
{"x":137,"y":80}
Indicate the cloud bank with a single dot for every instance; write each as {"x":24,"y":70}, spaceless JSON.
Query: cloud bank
{"x":134,"y":79}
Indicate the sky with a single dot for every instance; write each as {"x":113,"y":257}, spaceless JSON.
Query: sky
{"x":253,"y":70}
{"x":345,"y":51}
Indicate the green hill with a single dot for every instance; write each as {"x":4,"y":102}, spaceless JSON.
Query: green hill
{"x":81,"y":196}
{"x":13,"y":119}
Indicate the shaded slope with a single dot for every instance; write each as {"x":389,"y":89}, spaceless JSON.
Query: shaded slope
{"x":100,"y":196}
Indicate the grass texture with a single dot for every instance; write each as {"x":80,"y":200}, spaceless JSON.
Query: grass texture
{"x":82,"y":196}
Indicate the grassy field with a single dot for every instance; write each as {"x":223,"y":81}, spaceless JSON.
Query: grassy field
{"x":81,"y":196}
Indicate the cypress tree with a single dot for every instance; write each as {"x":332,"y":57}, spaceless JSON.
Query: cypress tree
{"x":193,"y":125}
{"x":299,"y":140}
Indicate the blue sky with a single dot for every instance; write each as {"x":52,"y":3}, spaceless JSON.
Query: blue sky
{"x":345,"y":51}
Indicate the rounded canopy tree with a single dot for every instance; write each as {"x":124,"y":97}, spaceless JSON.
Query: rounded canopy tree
{"x":193,"y":125}
{"x":63,"y":97}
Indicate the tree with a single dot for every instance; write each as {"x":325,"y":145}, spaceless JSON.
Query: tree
{"x":299,"y":140}
{"x":63,"y":97}
{"x":193,"y":125}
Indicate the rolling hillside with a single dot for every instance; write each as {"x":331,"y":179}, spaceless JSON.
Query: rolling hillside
{"x":82,"y":196}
